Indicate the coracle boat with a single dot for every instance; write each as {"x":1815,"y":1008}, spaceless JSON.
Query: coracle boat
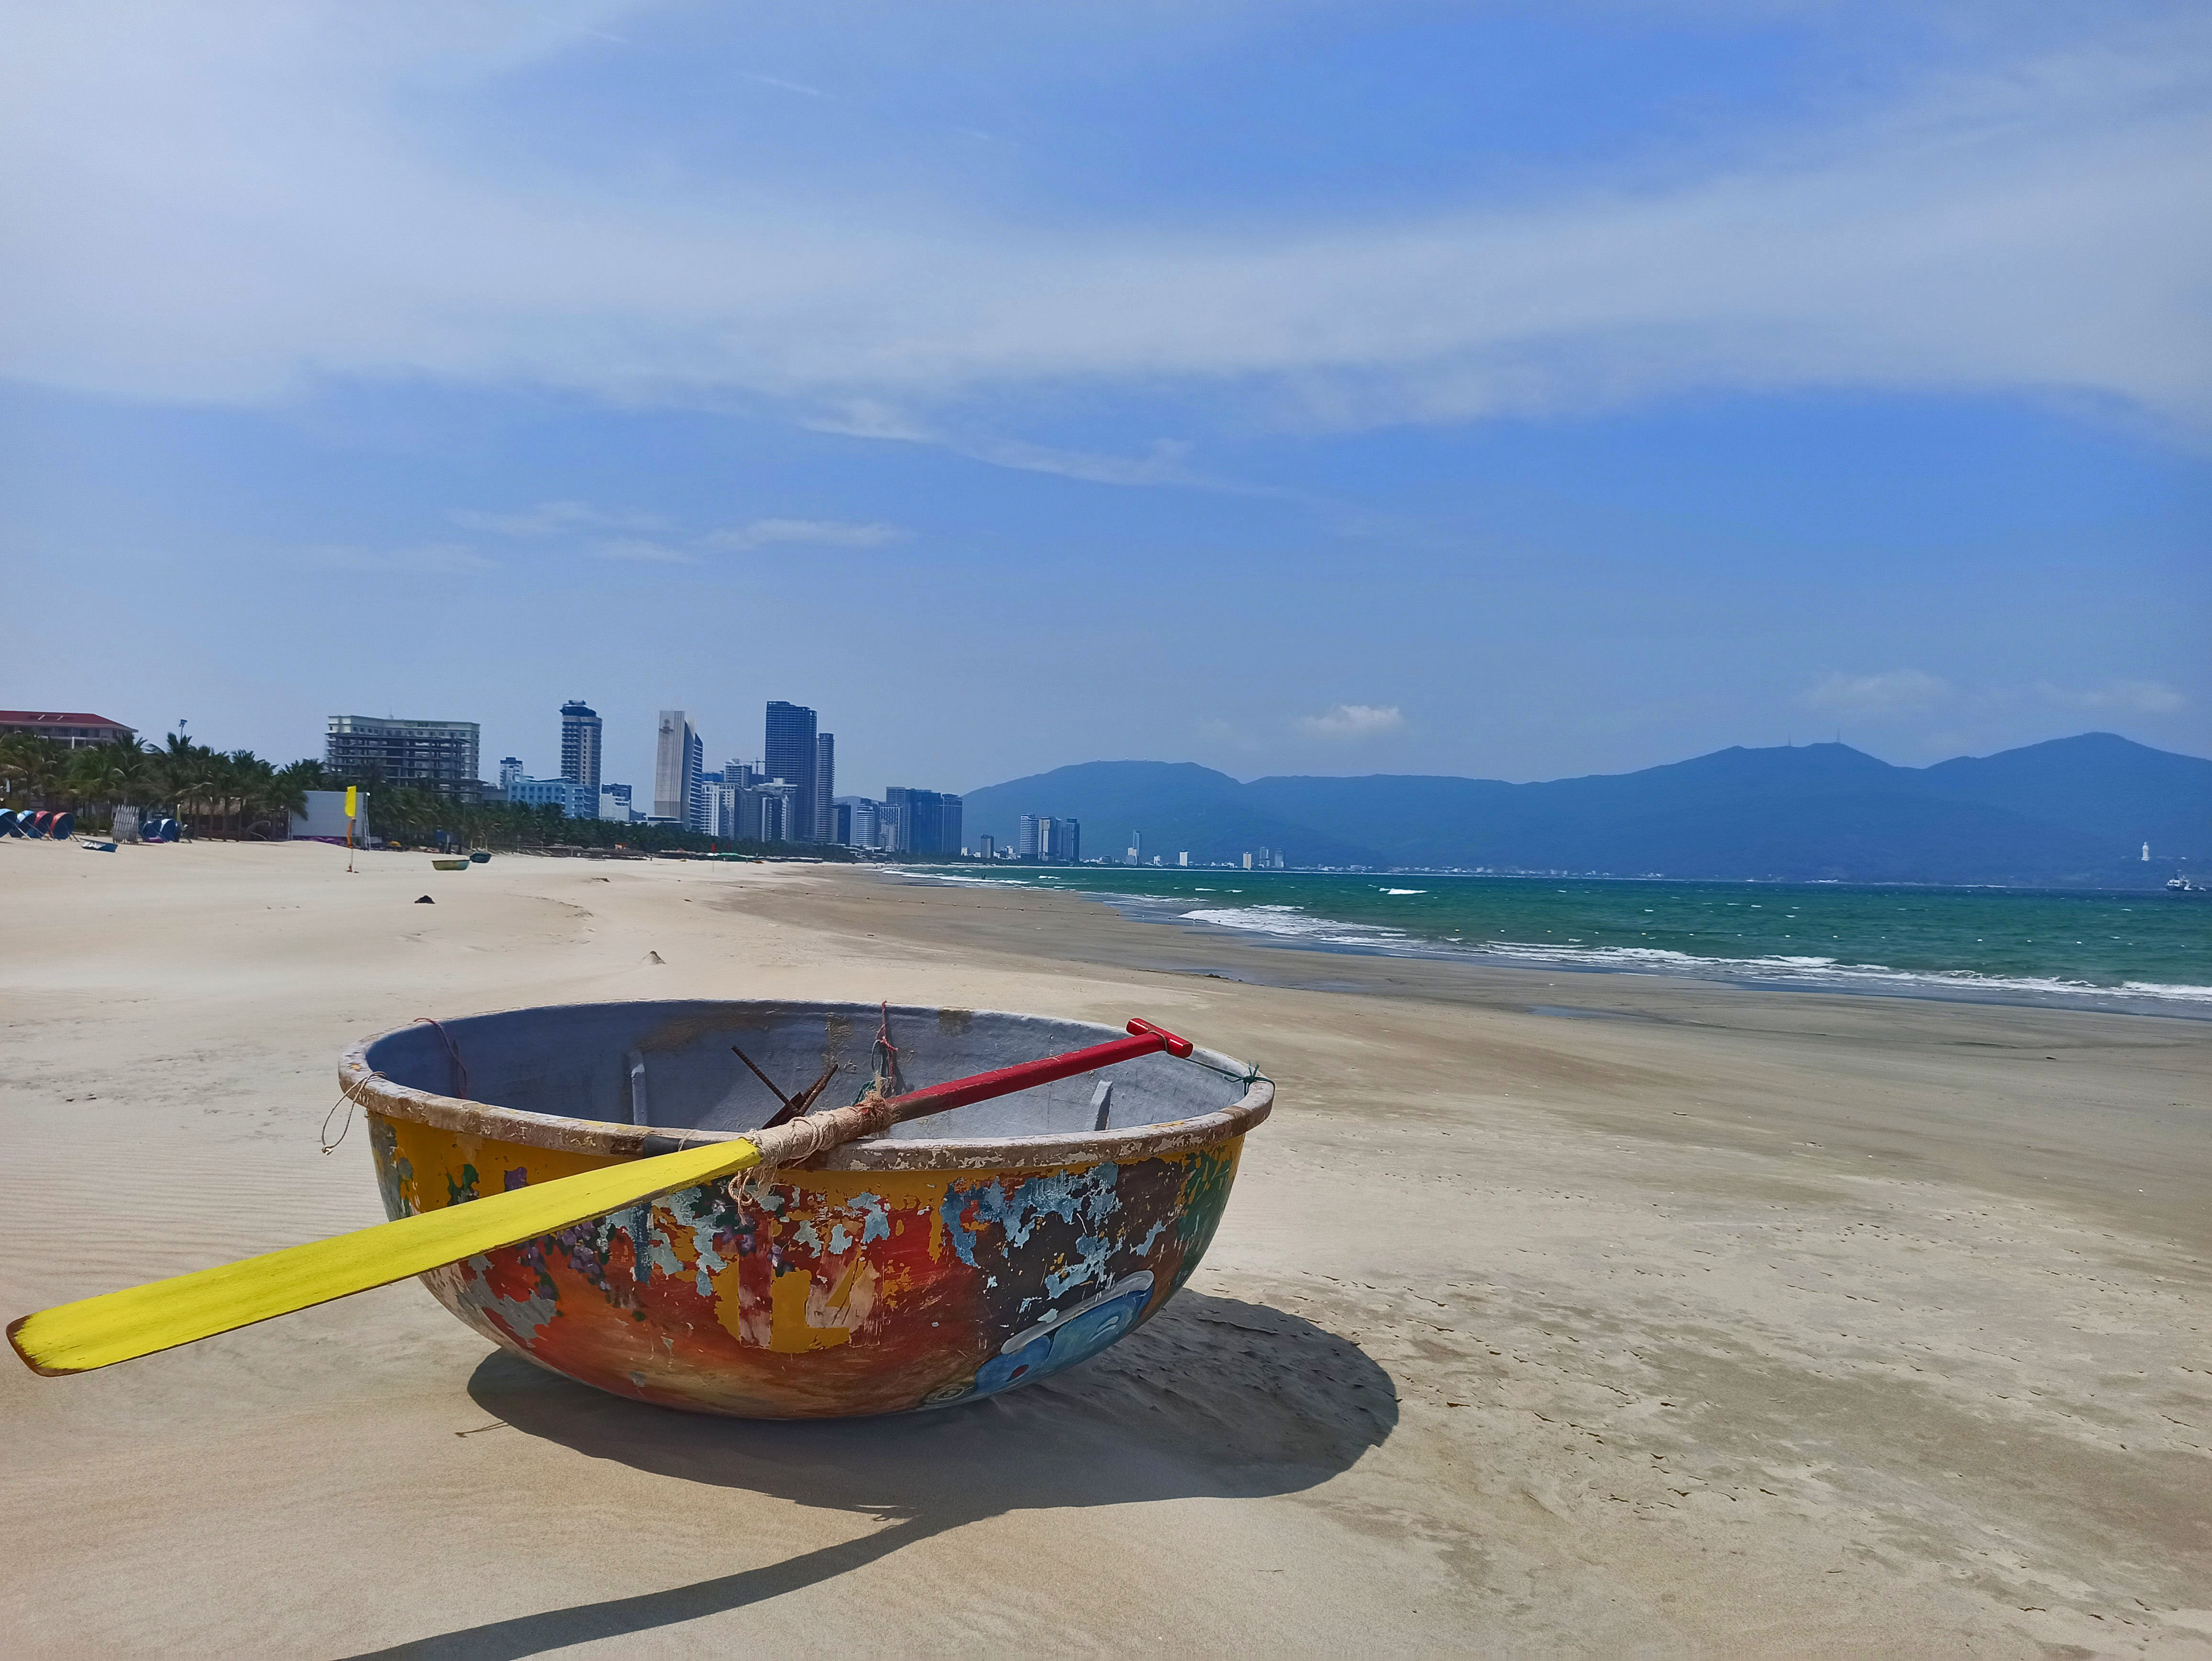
{"x":943,"y":1261}
{"x":449,"y":865}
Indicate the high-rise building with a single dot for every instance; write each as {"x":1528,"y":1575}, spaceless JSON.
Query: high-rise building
{"x":1183,"y":858}
{"x":510,"y":769}
{"x":1136,"y":848}
{"x":782,"y":809}
{"x":701,"y":817}
{"x":438,"y":756}
{"x":857,"y":821}
{"x":987,"y":848}
{"x":737,"y":810}
{"x":1025,"y":837}
{"x":789,"y":755}
{"x":676,"y":764}
{"x":824,"y":802}
{"x":615,"y":803}
{"x":1067,"y":841}
{"x":923,"y":821}
{"x":579,"y":744}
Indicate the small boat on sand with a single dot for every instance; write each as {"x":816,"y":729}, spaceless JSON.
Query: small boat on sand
{"x":941,"y":1261}
{"x":449,"y":865}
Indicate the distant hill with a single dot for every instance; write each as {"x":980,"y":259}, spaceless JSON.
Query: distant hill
{"x":2071,"y":811}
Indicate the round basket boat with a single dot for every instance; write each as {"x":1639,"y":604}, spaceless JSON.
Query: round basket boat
{"x":949,"y":1258}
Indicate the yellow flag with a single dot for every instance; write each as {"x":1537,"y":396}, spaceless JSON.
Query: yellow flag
{"x":350,"y":799}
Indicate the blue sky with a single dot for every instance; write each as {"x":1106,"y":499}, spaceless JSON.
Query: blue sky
{"x":1509,"y":390}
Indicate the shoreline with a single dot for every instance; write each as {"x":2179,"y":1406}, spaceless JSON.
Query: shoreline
{"x":1941,"y":986}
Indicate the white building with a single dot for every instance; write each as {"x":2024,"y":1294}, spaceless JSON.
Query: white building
{"x":324,"y":820}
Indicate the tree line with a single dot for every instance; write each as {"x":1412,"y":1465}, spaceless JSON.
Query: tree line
{"x":234,"y":794}
{"x":216,"y":792}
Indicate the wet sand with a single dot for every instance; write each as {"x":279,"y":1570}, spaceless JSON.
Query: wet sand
{"x":1674,"y":1319}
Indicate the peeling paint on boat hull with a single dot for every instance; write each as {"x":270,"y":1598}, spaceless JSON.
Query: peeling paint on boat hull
{"x":822,"y":1293}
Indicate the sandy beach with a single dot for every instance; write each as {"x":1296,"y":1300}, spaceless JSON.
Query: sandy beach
{"x":1552,"y":1313}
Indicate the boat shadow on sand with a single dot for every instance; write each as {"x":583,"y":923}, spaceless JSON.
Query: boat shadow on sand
{"x":1212,"y":1397}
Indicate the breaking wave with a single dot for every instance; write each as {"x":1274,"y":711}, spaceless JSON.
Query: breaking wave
{"x":1288,"y":922}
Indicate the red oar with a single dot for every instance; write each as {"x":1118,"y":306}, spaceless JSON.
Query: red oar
{"x":1024,"y":1075}
{"x":120,"y":1326}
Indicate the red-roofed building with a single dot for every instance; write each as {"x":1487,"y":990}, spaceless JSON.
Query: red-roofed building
{"x":72,"y":730}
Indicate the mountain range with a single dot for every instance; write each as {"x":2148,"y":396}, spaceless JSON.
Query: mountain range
{"x":2071,"y":811}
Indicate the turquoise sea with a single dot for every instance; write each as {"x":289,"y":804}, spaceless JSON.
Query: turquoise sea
{"x":2150,"y":952}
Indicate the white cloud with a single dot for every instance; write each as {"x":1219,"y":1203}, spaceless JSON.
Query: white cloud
{"x":817,"y":532}
{"x":2140,"y":697}
{"x":1895,"y":692}
{"x":554,"y":519}
{"x":1164,"y":462}
{"x":232,"y":204}
{"x":1353,"y":720}
{"x":426,"y":559}
{"x":644,"y":550}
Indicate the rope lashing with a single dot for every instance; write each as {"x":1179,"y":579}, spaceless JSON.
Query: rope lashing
{"x":453,"y":1051}
{"x":1248,"y":1078}
{"x":346,"y":1099}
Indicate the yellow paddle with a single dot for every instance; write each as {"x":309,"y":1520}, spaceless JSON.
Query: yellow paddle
{"x":121,"y":1326}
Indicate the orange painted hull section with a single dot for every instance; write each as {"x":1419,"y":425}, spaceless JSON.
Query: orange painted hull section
{"x":821,"y":1294}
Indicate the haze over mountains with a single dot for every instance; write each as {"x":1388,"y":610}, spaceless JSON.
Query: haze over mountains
{"x":2071,"y":811}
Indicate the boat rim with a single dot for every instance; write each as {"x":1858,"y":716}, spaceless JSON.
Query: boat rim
{"x":378,"y":1094}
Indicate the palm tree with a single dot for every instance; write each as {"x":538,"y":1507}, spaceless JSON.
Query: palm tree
{"x":188,"y":774}
{"x":31,"y":769}
{"x":288,"y":785}
{"x":98,"y":775}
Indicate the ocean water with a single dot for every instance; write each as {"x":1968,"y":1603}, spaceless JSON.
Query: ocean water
{"x":2146,"y":952}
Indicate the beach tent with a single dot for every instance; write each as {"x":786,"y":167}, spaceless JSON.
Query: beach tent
{"x":8,"y":826}
{"x":63,"y":827}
